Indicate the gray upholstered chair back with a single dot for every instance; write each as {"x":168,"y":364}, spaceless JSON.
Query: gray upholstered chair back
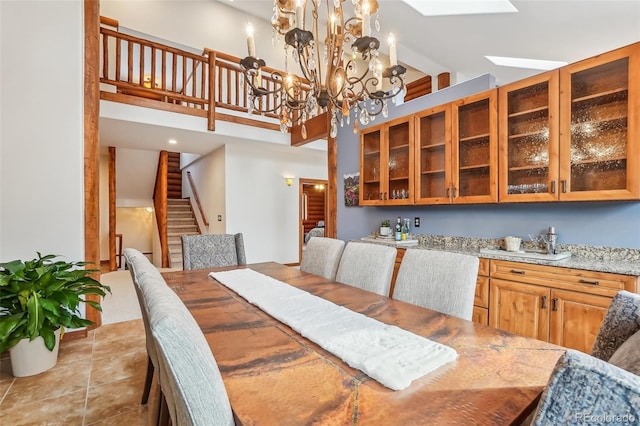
{"x":621,"y":321}
{"x":367,"y":266}
{"x":190,"y":379}
{"x":438,"y":280}
{"x":322,"y":256}
{"x":212,"y":250}
{"x":582,"y":386}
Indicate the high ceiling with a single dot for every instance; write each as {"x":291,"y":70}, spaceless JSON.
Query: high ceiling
{"x":562,"y":30}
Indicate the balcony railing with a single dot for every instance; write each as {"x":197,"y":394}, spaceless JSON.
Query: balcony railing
{"x":147,"y":73}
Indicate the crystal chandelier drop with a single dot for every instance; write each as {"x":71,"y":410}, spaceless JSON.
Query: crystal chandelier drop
{"x":332,"y":79}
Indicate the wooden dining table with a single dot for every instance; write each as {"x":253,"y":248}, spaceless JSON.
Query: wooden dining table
{"x":274,"y":376}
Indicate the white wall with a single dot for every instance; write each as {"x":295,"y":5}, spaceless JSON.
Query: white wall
{"x":136,"y":172}
{"x":104,"y":203}
{"x":136,"y":226}
{"x":244,"y":182}
{"x":41,"y":129}
{"x":208,"y":174}
{"x":260,"y":204}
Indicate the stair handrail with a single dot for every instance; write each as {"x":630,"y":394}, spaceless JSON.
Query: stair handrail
{"x":160,"y":204}
{"x":195,"y":196}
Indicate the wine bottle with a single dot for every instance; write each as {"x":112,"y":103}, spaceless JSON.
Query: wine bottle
{"x":405,"y":229}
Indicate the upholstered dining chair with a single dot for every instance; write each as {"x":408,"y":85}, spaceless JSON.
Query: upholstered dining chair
{"x":621,"y":322}
{"x":190,"y":380}
{"x":139,"y":265}
{"x":583,"y":389}
{"x":322,"y":256}
{"x":438,"y":280}
{"x":212,"y":250}
{"x":367,"y":266}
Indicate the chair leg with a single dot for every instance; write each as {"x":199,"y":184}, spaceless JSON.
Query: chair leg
{"x":147,"y":382}
{"x":163,"y":416}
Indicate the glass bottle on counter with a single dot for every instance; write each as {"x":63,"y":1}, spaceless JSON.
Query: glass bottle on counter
{"x":398,"y":229}
{"x":405,"y":229}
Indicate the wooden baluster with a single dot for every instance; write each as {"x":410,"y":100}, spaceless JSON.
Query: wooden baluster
{"x":211,"y":125}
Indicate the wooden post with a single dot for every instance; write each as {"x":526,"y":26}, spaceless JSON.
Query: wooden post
{"x":211,"y":116}
{"x":112,"y":209}
{"x":330,"y":226}
{"x":91,"y":146}
{"x":443,"y":80}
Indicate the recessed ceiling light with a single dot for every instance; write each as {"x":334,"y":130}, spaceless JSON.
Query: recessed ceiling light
{"x":460,"y":7}
{"x":173,"y":141}
{"x":532,"y":64}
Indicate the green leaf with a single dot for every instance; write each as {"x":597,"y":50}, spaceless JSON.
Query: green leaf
{"x":9,"y":323}
{"x":49,"y":337}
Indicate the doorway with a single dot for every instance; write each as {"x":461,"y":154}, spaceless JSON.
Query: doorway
{"x":313,"y":210}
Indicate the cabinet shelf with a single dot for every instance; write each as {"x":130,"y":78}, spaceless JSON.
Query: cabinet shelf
{"x":475,"y":167}
{"x":600,"y":95}
{"x":609,"y":123}
{"x":433,"y":146}
{"x":528,"y":134}
{"x":399,"y":147}
{"x":432,"y":172}
{"x":393,"y":179}
{"x":372,"y":154}
{"x":475,"y":137}
{"x":594,"y":161}
{"x":538,"y":110}
{"x":529,"y":167}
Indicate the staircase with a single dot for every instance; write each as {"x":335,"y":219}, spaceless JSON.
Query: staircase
{"x":174,"y":176}
{"x":180,"y":221}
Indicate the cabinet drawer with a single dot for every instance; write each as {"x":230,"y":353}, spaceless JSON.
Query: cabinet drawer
{"x":481,"y":298}
{"x":483,"y":268}
{"x":602,"y":283}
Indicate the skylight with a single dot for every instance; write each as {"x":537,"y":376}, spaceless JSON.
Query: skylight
{"x":460,"y":7}
{"x":532,"y":64}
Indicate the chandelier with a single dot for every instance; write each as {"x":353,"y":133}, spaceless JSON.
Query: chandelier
{"x":332,"y":78}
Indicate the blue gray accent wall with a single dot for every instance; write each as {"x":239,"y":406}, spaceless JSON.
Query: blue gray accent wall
{"x":603,"y":223}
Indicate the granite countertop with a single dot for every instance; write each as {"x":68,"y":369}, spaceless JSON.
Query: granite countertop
{"x":590,"y":258}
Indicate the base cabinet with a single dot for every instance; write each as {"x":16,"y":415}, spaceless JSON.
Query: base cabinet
{"x":558,"y":305}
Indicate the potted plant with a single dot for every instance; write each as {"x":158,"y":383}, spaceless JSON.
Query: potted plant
{"x":385,"y":228}
{"x":39,"y":298}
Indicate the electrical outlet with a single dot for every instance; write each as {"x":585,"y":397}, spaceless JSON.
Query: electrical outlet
{"x":416,"y":222}
{"x":219,"y":218}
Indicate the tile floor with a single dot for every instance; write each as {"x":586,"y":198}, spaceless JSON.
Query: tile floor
{"x":97,"y":381}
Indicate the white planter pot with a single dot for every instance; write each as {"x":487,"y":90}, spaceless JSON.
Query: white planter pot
{"x":29,"y":358}
{"x":385,"y":231}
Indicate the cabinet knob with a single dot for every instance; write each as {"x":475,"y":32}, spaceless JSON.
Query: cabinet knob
{"x":594,"y":282}
{"x":564,"y":185}
{"x":544,"y":302}
{"x":516,"y":271}
{"x":553,"y":186}
{"x":555,"y":304}
{"x":447,"y":192}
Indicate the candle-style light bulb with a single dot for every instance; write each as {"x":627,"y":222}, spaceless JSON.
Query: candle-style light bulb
{"x":393,"y":56}
{"x":366,"y":19}
{"x":299,"y":14}
{"x":334,"y":24}
{"x":251,"y":44}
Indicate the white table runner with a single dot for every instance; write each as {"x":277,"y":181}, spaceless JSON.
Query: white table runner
{"x":392,"y":356}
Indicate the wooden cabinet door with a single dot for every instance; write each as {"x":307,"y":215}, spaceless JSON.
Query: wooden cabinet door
{"x":432,"y":179}
{"x":475,"y":148}
{"x":372,"y":191}
{"x":576,"y":319}
{"x":599,"y":147}
{"x":399,"y":151}
{"x":528,"y":139}
{"x":519,"y":308}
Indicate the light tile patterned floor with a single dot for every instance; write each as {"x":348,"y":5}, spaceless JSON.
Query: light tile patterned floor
{"x":97,"y":381}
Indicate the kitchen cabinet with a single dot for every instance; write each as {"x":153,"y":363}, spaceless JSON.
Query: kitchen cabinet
{"x":599,"y":146}
{"x":433,"y":155}
{"x":572,"y":134}
{"x":559,"y":305}
{"x":386,"y":163}
{"x":456,"y":151}
{"x":475,"y":148}
{"x":481,"y":299}
{"x":529,"y":138}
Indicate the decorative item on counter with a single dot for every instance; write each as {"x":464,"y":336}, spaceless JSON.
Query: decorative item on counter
{"x":512,"y":243}
{"x":405,"y":229}
{"x":398,"y":229}
{"x":552,"y":240}
{"x":385,"y":228}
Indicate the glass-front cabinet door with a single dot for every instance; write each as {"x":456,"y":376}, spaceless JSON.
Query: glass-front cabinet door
{"x":399,"y":161}
{"x":475,"y":152}
{"x":600,"y":102}
{"x":433,"y":156}
{"x":528,"y":139}
{"x":371,"y":150}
